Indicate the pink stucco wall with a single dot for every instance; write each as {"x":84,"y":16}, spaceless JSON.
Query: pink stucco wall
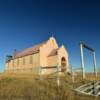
{"x":45,"y":51}
{"x":41,"y":59}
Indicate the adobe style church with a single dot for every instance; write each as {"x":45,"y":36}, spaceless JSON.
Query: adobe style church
{"x":43,"y":58}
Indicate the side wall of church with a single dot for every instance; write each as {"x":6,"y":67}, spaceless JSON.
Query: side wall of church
{"x":25,"y":64}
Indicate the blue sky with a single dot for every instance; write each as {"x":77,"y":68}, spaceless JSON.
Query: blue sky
{"x":24,"y":23}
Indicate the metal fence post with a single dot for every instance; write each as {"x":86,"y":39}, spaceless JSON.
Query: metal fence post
{"x":82,"y":60}
{"x":94,"y":59}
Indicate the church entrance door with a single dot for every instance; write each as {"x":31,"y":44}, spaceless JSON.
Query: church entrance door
{"x":63,"y":64}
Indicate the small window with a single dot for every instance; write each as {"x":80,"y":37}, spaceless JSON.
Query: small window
{"x":17,"y":61}
{"x":31,"y":60}
{"x":23,"y":61}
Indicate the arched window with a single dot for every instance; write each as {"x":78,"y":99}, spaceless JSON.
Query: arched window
{"x":63,"y":59}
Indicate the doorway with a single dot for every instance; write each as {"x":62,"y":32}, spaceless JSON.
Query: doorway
{"x":63,"y":64}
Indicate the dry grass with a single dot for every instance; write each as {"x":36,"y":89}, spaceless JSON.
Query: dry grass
{"x":29,"y":87}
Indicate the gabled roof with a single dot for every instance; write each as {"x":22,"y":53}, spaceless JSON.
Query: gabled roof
{"x":53,"y":52}
{"x":29,"y":51}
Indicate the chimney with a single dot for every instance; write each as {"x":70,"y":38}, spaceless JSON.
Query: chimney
{"x":14,"y":53}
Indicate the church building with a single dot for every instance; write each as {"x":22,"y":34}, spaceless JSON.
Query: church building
{"x":44,"y":58}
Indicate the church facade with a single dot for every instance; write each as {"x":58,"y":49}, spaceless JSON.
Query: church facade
{"x":43,"y":58}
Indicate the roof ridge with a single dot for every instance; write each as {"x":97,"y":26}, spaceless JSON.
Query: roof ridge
{"x":30,"y":50}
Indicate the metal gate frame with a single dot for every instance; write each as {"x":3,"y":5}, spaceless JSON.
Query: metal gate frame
{"x":82,"y":45}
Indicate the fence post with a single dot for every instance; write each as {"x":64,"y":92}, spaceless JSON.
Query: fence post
{"x":40,"y":70}
{"x":82,"y":60}
{"x":94,"y":59}
{"x":58,"y":80}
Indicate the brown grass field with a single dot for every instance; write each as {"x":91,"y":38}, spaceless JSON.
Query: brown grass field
{"x":30,"y":87}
